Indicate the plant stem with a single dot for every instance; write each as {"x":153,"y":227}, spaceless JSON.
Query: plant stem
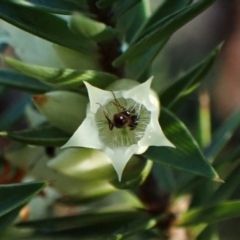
{"x":108,"y":50}
{"x":156,"y":202}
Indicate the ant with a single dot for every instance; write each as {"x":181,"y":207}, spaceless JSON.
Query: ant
{"x":123,"y":118}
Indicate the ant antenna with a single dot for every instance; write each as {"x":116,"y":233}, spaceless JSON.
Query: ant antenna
{"x":117,"y":103}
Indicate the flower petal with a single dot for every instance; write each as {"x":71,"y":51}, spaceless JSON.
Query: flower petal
{"x":141,"y":94}
{"x":86,"y":135}
{"x":154,"y":135}
{"x":96,"y":96}
{"x":120,"y":156}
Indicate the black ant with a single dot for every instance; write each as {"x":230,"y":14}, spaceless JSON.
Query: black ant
{"x":123,"y":118}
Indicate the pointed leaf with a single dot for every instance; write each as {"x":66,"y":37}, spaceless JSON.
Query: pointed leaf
{"x":11,"y":115}
{"x":57,"y":6}
{"x":131,"y":21}
{"x":134,"y":227}
{"x":43,"y":136}
{"x":167,"y":8}
{"x":161,"y":30}
{"x":22,"y":82}
{"x":223,"y":135}
{"x":125,"y":5}
{"x":91,"y":29}
{"x":63,"y":77}
{"x":226,"y":190}
{"x":164,"y":10}
{"x":44,"y":25}
{"x":137,"y":66}
{"x":187,"y":83}
{"x":82,"y":221}
{"x":105,"y":3}
{"x":13,"y":196}
{"x":187,"y":156}
{"x":210,"y":214}
{"x":192,"y":182}
{"x":8,"y":218}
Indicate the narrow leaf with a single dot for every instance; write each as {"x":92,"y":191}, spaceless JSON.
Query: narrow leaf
{"x":44,"y":25}
{"x":187,"y":83}
{"x":210,"y":214}
{"x":22,"y":82}
{"x":105,"y":3}
{"x":8,"y":218}
{"x":131,"y":21}
{"x":11,"y":115}
{"x":92,"y":29}
{"x":222,"y":135}
{"x":125,"y":5}
{"x":162,"y":30}
{"x":136,"y":67}
{"x":164,"y":10}
{"x":43,"y":136}
{"x":187,"y":156}
{"x":57,"y":6}
{"x":63,"y":77}
{"x":13,"y":196}
{"x":192,"y":182}
{"x":82,"y":220}
{"x":226,"y":190}
{"x":135,"y":227}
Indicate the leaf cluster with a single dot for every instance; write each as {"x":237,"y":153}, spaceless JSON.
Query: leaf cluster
{"x":192,"y":168}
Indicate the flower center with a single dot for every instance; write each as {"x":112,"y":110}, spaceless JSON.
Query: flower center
{"x":122,"y":122}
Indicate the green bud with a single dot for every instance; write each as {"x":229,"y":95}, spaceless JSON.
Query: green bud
{"x":84,"y":164}
{"x":63,"y":109}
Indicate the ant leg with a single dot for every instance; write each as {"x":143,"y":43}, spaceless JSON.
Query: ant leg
{"x":110,"y":124}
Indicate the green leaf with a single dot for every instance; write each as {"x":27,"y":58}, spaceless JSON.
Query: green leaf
{"x":22,"y":82}
{"x":187,"y":83}
{"x":192,"y":182}
{"x":91,"y":29}
{"x":44,"y":25}
{"x":222,"y":135}
{"x":83,"y":220}
{"x":43,"y":136}
{"x":187,"y":155}
{"x":57,"y":6}
{"x":105,"y":3}
{"x":137,"y":66}
{"x":8,"y":218}
{"x":13,"y":197}
{"x":209,"y":232}
{"x":210,"y":214}
{"x":165,"y":9}
{"x":63,"y":77}
{"x":124,"y":6}
{"x":226,"y":190}
{"x":227,"y":159}
{"x":162,"y":30}
{"x":129,"y":22}
{"x":134,"y":227}
{"x":11,"y":115}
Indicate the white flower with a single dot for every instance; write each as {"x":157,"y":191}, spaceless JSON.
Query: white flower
{"x":102,"y":128}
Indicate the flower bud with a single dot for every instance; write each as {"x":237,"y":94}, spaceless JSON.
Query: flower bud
{"x":44,"y":53}
{"x":63,"y":109}
{"x":94,"y":165}
{"x":33,"y":160}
